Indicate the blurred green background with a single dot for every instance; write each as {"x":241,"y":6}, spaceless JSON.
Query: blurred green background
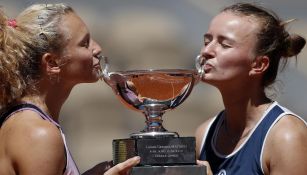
{"x":142,"y":34}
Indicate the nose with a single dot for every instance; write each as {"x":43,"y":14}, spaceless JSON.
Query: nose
{"x":208,"y":51}
{"x":96,"y":48}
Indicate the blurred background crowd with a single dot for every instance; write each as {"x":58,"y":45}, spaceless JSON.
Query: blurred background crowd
{"x":151,"y":34}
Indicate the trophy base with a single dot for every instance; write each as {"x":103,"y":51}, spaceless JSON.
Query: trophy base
{"x":163,"y":151}
{"x":155,"y":134}
{"x":170,"y":170}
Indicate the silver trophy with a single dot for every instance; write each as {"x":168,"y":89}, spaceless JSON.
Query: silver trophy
{"x":153,"y":92}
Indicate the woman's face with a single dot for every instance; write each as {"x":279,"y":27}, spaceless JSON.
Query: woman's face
{"x":229,"y":49}
{"x":79,"y":56}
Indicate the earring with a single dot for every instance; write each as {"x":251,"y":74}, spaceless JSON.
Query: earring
{"x":54,"y":78}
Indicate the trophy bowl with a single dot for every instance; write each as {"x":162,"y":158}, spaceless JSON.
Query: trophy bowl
{"x":153,"y":92}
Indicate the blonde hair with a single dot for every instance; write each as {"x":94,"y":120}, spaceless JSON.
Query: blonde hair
{"x":22,"y":45}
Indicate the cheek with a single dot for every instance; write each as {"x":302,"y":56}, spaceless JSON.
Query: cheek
{"x":239,"y":62}
{"x":226,"y":62}
{"x":83,"y":59}
{"x":87,"y":61}
{"x":80,"y":64}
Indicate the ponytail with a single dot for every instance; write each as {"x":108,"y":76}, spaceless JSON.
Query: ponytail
{"x":22,"y":43}
{"x":12,"y":85}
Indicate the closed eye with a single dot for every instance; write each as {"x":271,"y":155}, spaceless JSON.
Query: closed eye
{"x":225,"y":45}
{"x":207,"y":39}
{"x":225,"y":42}
{"x":85,"y":42}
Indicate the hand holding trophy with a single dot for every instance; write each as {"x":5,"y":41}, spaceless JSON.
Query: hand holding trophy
{"x":153,"y":92}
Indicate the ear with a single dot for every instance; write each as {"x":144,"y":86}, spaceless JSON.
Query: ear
{"x":259,"y":65}
{"x":50,"y":65}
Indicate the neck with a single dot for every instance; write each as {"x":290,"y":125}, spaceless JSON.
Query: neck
{"x":50,"y":101}
{"x":242,"y":112}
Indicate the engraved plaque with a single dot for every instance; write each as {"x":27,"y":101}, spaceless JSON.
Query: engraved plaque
{"x":156,"y":151}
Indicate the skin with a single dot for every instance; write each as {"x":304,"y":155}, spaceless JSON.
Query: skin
{"x":30,"y":145}
{"x":233,"y":67}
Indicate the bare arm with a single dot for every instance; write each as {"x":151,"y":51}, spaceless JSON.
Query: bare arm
{"x":286,"y":148}
{"x":199,"y":134}
{"x":35,"y":146}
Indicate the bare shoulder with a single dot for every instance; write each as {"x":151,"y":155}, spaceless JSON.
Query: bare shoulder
{"x":286,"y":146}
{"x":289,"y":129}
{"x":34,"y":141}
{"x":29,"y":126}
{"x":200,"y":132}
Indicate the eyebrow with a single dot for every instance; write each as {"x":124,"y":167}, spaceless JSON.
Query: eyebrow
{"x":220,"y":37}
{"x":207,"y":35}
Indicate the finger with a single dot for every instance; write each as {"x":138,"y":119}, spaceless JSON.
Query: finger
{"x":129,"y":163}
{"x":121,"y":168}
{"x":205,"y":163}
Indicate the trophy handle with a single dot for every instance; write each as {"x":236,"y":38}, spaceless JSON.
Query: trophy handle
{"x":104,"y":66}
{"x":105,"y":74}
{"x":199,"y":64}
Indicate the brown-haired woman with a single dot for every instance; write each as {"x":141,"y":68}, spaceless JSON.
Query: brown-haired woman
{"x":242,"y":51}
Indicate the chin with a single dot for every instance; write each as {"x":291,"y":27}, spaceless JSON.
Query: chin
{"x":93,"y":80}
{"x":208,"y":80}
{"x":205,"y":79}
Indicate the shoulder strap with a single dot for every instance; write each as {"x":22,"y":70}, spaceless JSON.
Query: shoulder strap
{"x":7,"y":113}
{"x":209,"y":135}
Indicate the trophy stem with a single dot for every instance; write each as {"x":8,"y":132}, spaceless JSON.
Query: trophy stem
{"x":154,"y":127}
{"x":154,"y":122}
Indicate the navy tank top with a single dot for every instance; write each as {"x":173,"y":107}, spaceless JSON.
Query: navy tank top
{"x":247,"y":159}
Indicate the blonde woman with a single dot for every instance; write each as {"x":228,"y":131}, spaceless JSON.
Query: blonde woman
{"x":44,"y":53}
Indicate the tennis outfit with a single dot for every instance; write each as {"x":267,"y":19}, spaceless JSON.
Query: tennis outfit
{"x":71,"y":168}
{"x":247,"y":159}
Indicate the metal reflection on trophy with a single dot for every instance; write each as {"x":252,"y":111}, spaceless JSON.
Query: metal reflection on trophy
{"x":153,"y":92}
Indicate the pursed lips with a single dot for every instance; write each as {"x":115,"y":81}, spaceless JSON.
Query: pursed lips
{"x":96,"y":66}
{"x":96,"y":63}
{"x":207,"y":67}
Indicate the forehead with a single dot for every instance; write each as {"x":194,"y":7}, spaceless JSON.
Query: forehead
{"x":234,"y":26}
{"x":72,"y":26}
